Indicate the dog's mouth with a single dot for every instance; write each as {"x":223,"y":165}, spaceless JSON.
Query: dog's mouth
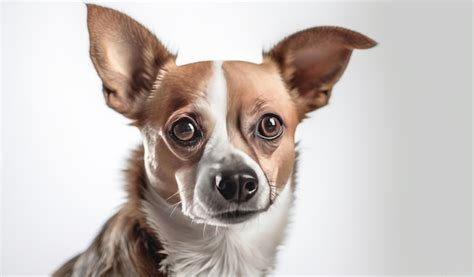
{"x":236,"y":216}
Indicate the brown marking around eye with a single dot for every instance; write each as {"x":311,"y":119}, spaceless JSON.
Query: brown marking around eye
{"x":179,"y":87}
{"x":178,"y":91}
{"x":253,"y":90}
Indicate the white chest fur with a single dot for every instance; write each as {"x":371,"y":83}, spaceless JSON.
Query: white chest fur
{"x":246,"y":249}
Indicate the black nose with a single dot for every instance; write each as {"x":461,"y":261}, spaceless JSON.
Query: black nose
{"x":238,"y":187}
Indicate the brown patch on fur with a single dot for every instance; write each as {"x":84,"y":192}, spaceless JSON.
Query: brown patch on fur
{"x":179,"y":88}
{"x":254,"y":90}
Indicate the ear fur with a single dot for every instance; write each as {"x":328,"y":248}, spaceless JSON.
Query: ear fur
{"x":126,"y":56}
{"x":312,"y":61}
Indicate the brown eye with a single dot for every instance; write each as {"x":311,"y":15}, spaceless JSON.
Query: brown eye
{"x":185,"y":131}
{"x":270,"y":127}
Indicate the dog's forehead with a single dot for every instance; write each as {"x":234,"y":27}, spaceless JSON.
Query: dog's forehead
{"x":228,"y":86}
{"x":249,"y":83}
{"x":237,"y":78}
{"x":245,"y":76}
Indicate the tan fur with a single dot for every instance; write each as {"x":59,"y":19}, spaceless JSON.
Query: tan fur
{"x":249,"y":84}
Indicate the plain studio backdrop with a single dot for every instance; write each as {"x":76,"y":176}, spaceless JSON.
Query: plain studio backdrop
{"x":384,"y":178}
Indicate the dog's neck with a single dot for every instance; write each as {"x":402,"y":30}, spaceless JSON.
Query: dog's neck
{"x":191,"y":248}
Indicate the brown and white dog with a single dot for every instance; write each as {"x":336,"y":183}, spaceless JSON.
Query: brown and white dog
{"x":210,"y":189}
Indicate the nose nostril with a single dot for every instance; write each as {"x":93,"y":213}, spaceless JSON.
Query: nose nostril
{"x":250,"y":186}
{"x":248,"y":189}
{"x":221,"y":185}
{"x":227,"y":188}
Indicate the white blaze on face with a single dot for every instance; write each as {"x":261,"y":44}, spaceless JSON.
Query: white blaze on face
{"x":218,"y":144}
{"x":217,"y":99}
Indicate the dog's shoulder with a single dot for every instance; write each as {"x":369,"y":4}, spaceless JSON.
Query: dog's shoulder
{"x":124,"y":247}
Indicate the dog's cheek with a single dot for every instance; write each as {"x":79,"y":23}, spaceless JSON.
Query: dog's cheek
{"x":186,"y":181}
{"x":279,"y":166}
{"x":287,"y":157}
{"x":285,"y":169}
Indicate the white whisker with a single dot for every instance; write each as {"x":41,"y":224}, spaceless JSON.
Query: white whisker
{"x":204,"y":229}
{"x":174,"y":208}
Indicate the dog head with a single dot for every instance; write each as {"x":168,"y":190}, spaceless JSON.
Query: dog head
{"x":218,"y":136}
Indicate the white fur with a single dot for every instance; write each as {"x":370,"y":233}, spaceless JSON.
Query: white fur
{"x":150,"y":139}
{"x":217,"y":99}
{"x":246,"y":249}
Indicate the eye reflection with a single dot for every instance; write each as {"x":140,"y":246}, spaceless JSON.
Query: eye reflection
{"x":270,"y":127}
{"x":185,"y":131}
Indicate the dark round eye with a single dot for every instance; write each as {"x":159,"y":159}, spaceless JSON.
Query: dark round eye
{"x":185,"y":131}
{"x":270,"y":127}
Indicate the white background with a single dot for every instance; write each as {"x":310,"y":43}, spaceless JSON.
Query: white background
{"x":385,"y":170}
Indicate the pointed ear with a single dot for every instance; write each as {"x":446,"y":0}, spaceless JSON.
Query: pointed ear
{"x":127,"y":58}
{"x":313,"y":60}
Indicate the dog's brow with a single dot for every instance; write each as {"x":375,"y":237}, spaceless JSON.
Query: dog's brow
{"x":260,"y":104}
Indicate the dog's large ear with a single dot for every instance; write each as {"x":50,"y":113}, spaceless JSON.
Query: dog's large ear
{"x":127,"y":57}
{"x":313,"y":60}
